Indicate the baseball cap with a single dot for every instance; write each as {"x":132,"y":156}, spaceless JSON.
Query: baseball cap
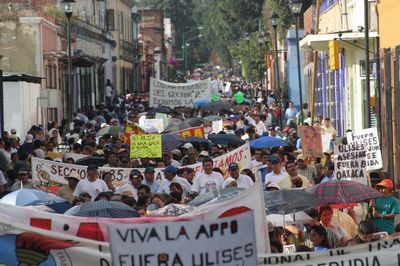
{"x":204,"y":153}
{"x":23,"y":171}
{"x":300,"y":157}
{"x":73,"y":175}
{"x":387,"y":183}
{"x":92,"y":167}
{"x":29,"y":138}
{"x":149,"y":170}
{"x":122,"y":150}
{"x":233,"y":166}
{"x":176,"y":152}
{"x":286,"y":129}
{"x":170,"y":169}
{"x":135,"y":174}
{"x":188,"y":146}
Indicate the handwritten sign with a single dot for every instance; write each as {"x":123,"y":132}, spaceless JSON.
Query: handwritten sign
{"x":146,"y":146}
{"x":173,"y":243}
{"x":361,"y":153}
{"x":178,"y":94}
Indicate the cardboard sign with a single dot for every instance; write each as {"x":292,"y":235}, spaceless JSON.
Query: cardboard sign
{"x":146,"y":146}
{"x":217,"y":126}
{"x":178,"y":94}
{"x":361,"y":154}
{"x":155,"y":125}
{"x":186,"y":243}
{"x":311,"y":142}
{"x":191,"y":132}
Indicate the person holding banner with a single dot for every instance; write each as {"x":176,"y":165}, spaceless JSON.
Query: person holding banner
{"x":91,"y":184}
{"x":385,"y":209}
{"x":209,"y":180}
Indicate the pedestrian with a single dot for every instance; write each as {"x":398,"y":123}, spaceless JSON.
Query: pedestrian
{"x":208,"y":181}
{"x":385,"y":208}
{"x":91,"y":184}
{"x":109,"y":92}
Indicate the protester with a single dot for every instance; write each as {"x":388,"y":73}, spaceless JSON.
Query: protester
{"x":23,"y":180}
{"x":135,"y":180}
{"x":149,"y":179}
{"x":241,"y":180}
{"x":91,"y":184}
{"x":67,"y":191}
{"x":326,"y":214}
{"x":319,"y":238}
{"x":293,"y":180}
{"x":170,"y":177}
{"x":276,"y":175}
{"x":385,"y":208}
{"x":208,"y":181}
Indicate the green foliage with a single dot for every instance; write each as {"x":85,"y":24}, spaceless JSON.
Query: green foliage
{"x":57,"y":13}
{"x":281,"y":7}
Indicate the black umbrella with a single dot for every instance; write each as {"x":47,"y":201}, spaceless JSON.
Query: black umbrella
{"x":199,"y":140}
{"x":103,"y":208}
{"x":177,"y":127}
{"x":226,"y":139}
{"x":217,"y":106}
{"x":171,"y":142}
{"x":99,"y":161}
{"x":161,"y":109}
{"x":195,"y":122}
{"x":290,"y":200}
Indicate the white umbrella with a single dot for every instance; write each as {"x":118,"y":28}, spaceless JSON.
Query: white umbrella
{"x":292,"y":218}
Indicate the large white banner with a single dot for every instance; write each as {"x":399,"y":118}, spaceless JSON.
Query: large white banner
{"x":178,"y":94}
{"x":362,"y":153}
{"x":185,"y":243}
{"x":45,"y":171}
{"x":384,"y":252}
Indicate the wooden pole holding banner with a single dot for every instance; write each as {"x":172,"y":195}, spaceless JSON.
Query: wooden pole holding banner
{"x":314,"y":78}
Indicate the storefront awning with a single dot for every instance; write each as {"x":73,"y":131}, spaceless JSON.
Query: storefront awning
{"x":320,"y":42}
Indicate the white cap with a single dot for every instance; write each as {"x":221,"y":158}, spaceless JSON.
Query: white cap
{"x":29,"y":138}
{"x":204,"y":153}
{"x":188,"y":146}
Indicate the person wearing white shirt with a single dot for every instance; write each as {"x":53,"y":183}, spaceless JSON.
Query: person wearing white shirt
{"x":209,"y":180}
{"x":135,"y":178}
{"x":293,"y":177}
{"x":149,"y":180}
{"x":170,"y":176}
{"x":276,"y":175}
{"x":257,"y":159}
{"x":91,"y":184}
{"x":259,"y":125}
{"x":242,"y":181}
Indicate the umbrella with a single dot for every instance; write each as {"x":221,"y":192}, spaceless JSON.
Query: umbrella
{"x":267,"y":142}
{"x":111,"y":130}
{"x":291,"y":218}
{"x":201,"y":103}
{"x":290,"y":200}
{"x":161,"y":109}
{"x":99,"y":161}
{"x":171,"y":142}
{"x":173,"y":210}
{"x":195,"y":122}
{"x":32,"y":197}
{"x":199,"y":140}
{"x":103,"y":208}
{"x":177,"y":127}
{"x":343,"y":191}
{"x":222,"y":195}
{"x":225,"y":139}
{"x":212,"y":118}
{"x":215,"y":107}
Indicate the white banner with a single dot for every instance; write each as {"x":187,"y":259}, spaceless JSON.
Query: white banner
{"x":384,"y":252}
{"x":185,"y":243}
{"x":45,"y":171}
{"x":361,"y":154}
{"x":155,"y":125}
{"x":178,"y":94}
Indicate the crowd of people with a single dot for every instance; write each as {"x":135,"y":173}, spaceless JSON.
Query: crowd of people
{"x":278,"y":168}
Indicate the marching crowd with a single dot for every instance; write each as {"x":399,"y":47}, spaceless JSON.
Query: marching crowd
{"x":278,"y":168}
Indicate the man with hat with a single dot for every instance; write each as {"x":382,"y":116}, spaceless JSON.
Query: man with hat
{"x":242,"y":181}
{"x":91,"y":184}
{"x":23,"y":180}
{"x":67,"y":191}
{"x":309,"y":171}
{"x":135,"y":179}
{"x":149,"y":179}
{"x":385,"y":208}
{"x":170,"y":177}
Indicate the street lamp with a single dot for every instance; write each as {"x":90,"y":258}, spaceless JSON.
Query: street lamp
{"x":187,"y":45}
{"x":184,"y":45}
{"x":68,"y":10}
{"x":263,"y":39}
{"x":274,"y":22}
{"x":247,"y":37}
{"x":295,"y":6}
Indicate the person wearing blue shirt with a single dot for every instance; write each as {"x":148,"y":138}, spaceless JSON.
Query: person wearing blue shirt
{"x":384,"y":209}
{"x":150,"y":181}
{"x":329,"y":170}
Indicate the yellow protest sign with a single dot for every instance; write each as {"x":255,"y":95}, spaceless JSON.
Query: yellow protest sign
{"x":146,"y":146}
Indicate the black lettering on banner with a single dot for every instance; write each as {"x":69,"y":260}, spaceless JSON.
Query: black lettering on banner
{"x":248,"y":250}
{"x":104,"y":262}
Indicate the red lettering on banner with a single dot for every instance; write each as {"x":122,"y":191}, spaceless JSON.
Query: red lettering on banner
{"x":41,"y":223}
{"x":90,"y":231}
{"x":191,"y":132}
